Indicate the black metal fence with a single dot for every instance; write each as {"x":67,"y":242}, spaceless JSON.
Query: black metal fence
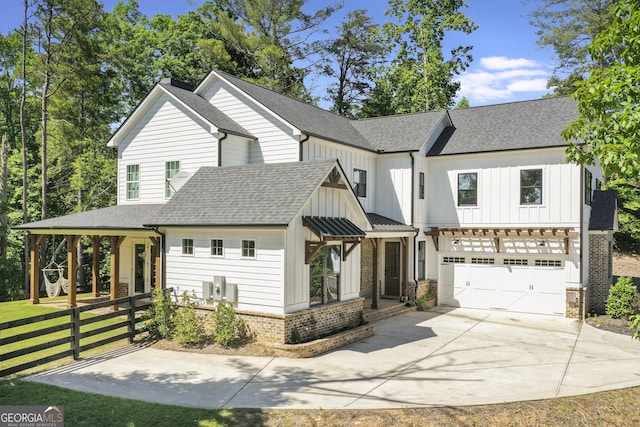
{"x":126,"y":307}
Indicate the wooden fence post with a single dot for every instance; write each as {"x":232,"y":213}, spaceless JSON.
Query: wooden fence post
{"x":75,"y":333}
{"x":131,"y":314}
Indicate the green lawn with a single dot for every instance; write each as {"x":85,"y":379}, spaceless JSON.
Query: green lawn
{"x":21,"y":309}
{"x":612,"y":408}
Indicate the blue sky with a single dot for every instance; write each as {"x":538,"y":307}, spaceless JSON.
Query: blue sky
{"x":508,"y":65}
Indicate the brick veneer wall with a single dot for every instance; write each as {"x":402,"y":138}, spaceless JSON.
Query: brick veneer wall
{"x":366,"y":268}
{"x":312,"y":323}
{"x":600,"y":270}
{"x":577,"y":301}
{"x":425,"y":286}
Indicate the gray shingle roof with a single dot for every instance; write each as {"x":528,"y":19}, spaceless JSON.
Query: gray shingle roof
{"x":603,"y":210}
{"x":205,"y":109}
{"x":121,"y":217}
{"x":407,"y":132}
{"x":308,"y":118}
{"x":382,"y":223}
{"x":249,"y":195}
{"x":511,"y":126}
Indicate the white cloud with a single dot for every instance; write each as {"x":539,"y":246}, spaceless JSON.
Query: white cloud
{"x":504,"y":63}
{"x":500,"y":79}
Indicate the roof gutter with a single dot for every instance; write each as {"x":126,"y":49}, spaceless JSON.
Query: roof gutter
{"x":226,"y":135}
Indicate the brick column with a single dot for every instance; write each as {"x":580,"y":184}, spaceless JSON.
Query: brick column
{"x":600,"y":269}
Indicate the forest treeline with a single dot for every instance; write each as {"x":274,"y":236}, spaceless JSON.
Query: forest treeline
{"x":72,"y":71}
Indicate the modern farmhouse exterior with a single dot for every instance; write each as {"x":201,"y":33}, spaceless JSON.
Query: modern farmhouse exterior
{"x":296,"y":215}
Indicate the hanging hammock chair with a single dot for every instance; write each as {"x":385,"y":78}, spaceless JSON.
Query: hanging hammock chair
{"x":53,"y":287}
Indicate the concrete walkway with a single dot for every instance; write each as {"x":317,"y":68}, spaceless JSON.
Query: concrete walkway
{"x":456,"y":357}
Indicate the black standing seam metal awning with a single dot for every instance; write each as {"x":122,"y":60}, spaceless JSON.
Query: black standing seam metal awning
{"x":328,"y":228}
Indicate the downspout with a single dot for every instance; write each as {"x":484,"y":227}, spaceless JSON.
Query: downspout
{"x":582,"y":226}
{"x":302,"y":141}
{"x":226,"y":135}
{"x":415,"y":236}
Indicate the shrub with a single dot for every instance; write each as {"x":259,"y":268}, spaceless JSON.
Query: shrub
{"x":620,"y":300}
{"x":295,"y":336}
{"x":424,"y":302}
{"x":228,"y":328}
{"x":159,"y":317}
{"x":635,"y":324}
{"x":189,"y":326}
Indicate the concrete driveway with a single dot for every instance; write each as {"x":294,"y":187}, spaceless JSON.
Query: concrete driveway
{"x":444,"y":357}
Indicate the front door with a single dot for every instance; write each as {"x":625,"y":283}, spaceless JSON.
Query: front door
{"x":144,"y":254}
{"x":392,"y":269}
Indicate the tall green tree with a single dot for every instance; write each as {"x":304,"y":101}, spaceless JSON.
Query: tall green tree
{"x":351,"y":55}
{"x":276,"y":39}
{"x":608,"y":99}
{"x":421,"y":77}
{"x":568,"y":27}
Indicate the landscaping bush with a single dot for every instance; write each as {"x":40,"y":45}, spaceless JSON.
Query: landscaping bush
{"x":228,"y":328}
{"x":424,"y":302}
{"x":159,"y":317}
{"x":620,"y":301}
{"x":189,"y":327}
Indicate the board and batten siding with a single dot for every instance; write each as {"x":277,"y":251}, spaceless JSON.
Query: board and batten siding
{"x":275,"y":140}
{"x":325,"y":202}
{"x":167,"y":132}
{"x":393,"y":187}
{"x":498,"y":187}
{"x":260,"y":281}
{"x":350,"y":159}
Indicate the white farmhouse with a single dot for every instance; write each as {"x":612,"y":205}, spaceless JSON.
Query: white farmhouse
{"x":298,"y":216}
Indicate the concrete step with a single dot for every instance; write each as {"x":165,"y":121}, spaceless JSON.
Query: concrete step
{"x":385,"y":313}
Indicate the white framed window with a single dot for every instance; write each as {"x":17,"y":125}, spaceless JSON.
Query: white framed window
{"x":588,"y":187}
{"x":217,"y":247}
{"x":515,"y":261}
{"x":360,"y":182}
{"x":187,"y":246}
{"x":453,"y":260}
{"x":133,"y":182}
{"x":170,"y":169}
{"x":324,"y":275}
{"x":531,"y":187}
{"x":483,"y":261}
{"x":548,"y":263}
{"x":421,"y":259}
{"x":468,"y":189}
{"x":248,"y":248}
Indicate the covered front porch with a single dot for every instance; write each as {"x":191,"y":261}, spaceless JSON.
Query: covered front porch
{"x":387,"y":254}
{"x":135,"y":252}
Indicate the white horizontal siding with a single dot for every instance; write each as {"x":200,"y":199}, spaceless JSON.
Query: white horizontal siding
{"x":260,"y":281}
{"x":167,"y":132}
{"x":235,"y":151}
{"x":275,"y":143}
{"x":350,"y":159}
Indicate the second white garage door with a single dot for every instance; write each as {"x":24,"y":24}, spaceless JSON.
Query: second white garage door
{"x":522,"y":285}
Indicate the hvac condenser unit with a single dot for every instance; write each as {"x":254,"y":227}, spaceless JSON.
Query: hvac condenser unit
{"x":207,"y":290}
{"x":231,"y":292}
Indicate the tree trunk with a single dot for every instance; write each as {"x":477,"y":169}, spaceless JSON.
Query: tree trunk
{"x":23,"y":131}
{"x":3,"y":199}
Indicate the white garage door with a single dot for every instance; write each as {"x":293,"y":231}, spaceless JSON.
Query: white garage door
{"x":514,"y":284}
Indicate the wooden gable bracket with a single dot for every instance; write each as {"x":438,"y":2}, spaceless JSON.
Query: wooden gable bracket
{"x":566,"y":245}
{"x":311,"y":249}
{"x":347,"y":250}
{"x":333,"y":180}
{"x":496,"y":241}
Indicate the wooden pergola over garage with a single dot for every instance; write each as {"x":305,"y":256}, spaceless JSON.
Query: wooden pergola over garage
{"x":498,"y":233}
{"x":115,"y":224}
